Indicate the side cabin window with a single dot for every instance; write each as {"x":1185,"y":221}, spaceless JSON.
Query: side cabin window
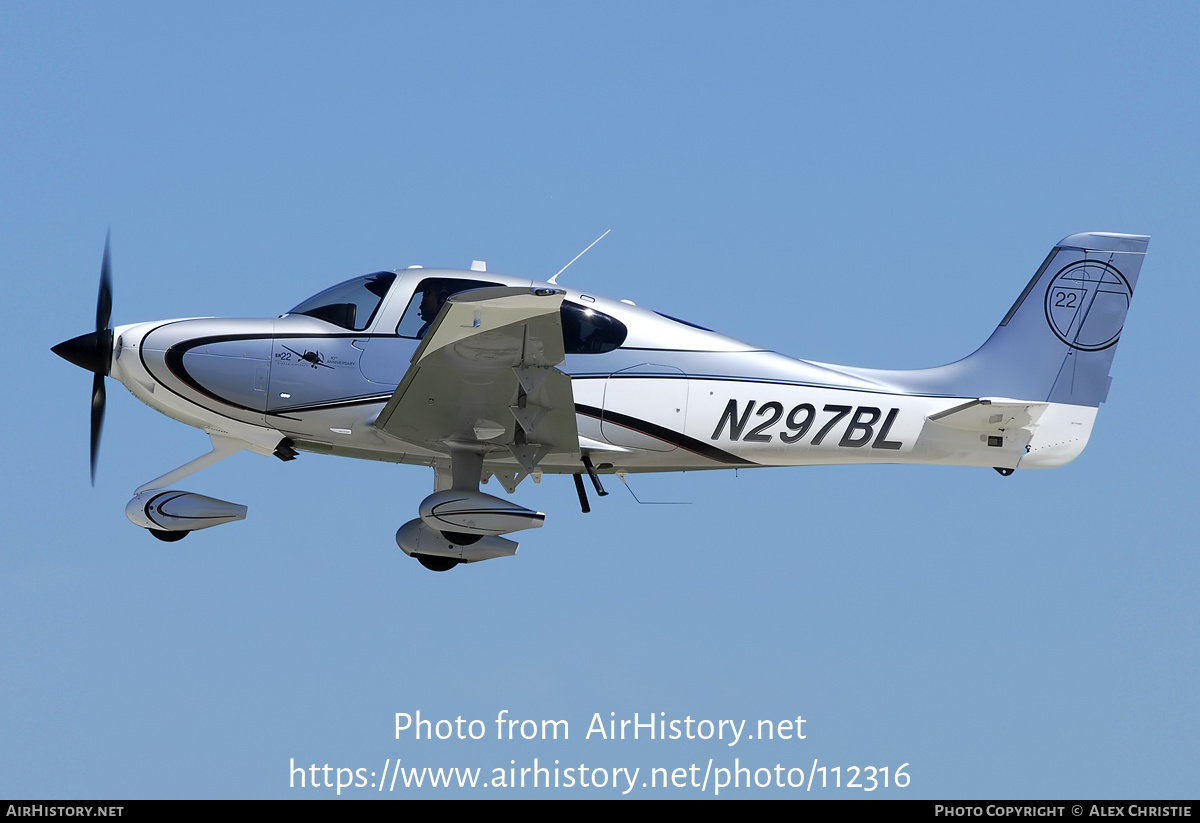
{"x":587,"y":331}
{"x":431,"y":294}
{"x":351,"y":305}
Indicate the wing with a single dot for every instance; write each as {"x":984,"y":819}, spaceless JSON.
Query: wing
{"x":485,"y":377}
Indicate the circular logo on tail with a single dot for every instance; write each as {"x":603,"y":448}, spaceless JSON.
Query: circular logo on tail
{"x":1086,"y":304}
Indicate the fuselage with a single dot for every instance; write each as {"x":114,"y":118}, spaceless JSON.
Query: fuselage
{"x":651,"y":393}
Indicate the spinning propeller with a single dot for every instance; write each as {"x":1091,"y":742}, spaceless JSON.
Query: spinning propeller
{"x":93,"y":351}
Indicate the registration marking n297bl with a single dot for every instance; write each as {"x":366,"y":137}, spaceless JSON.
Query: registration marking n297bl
{"x":802,"y":419}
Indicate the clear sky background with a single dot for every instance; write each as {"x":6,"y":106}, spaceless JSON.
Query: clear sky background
{"x":872,"y":185}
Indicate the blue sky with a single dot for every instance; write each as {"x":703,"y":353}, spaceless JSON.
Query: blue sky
{"x":870,"y":185}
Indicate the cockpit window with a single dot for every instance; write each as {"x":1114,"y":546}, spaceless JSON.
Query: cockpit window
{"x":351,"y":305}
{"x":587,"y":331}
{"x":431,"y":294}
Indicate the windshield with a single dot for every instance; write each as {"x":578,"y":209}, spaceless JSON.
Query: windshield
{"x":352,"y":304}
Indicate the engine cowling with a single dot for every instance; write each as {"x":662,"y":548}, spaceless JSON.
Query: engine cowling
{"x":416,"y":537}
{"x":471,"y":512}
{"x":176,"y":511}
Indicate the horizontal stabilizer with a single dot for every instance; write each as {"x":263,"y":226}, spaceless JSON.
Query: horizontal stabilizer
{"x":990,"y":415}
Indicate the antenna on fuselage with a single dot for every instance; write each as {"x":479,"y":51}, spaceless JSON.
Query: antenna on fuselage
{"x":554,"y":280}
{"x":622,"y":474}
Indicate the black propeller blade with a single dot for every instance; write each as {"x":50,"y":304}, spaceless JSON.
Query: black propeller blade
{"x":97,"y":419}
{"x":104,"y":298}
{"x":93,"y":351}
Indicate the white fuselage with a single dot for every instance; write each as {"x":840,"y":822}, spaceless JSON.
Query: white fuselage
{"x":670,"y":397}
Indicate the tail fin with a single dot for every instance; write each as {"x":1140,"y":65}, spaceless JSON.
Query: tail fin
{"x":1056,"y":343}
{"x":1058,"y":340}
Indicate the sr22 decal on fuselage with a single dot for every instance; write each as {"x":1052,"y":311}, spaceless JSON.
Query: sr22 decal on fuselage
{"x":482,"y":375}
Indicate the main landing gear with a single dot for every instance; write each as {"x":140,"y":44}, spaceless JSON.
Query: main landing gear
{"x":460,"y":524}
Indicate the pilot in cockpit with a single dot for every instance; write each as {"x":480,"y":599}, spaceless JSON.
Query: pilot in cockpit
{"x":432,"y":300}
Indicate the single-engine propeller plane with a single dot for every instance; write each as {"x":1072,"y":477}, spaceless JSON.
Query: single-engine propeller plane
{"x":483,"y":375}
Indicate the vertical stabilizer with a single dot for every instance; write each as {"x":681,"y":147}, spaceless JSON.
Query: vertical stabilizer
{"x":1062,"y":332}
{"x":1057,"y":342}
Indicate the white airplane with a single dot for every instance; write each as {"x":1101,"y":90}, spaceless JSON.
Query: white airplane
{"x":484,"y":375}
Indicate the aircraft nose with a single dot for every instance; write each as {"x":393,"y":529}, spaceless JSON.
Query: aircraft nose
{"x":91,"y":351}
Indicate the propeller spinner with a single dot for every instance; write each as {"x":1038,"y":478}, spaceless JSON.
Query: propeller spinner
{"x":93,"y":351}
